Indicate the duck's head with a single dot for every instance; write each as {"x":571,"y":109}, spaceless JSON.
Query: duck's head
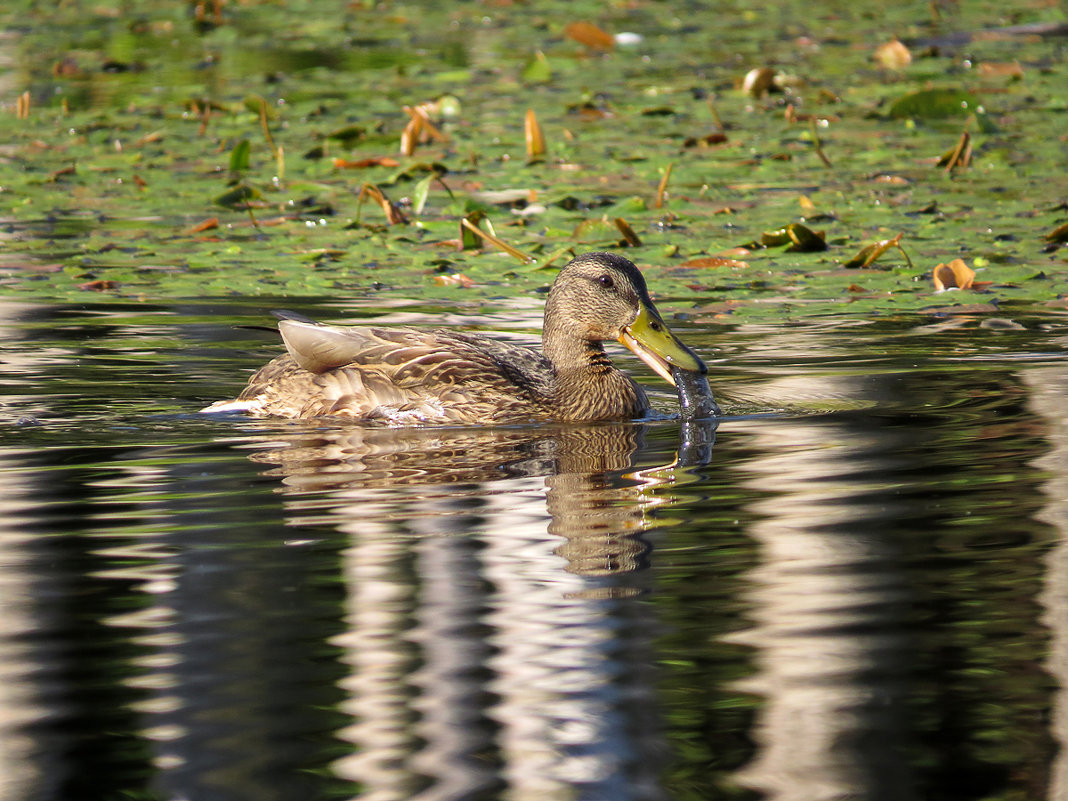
{"x":601,"y":296}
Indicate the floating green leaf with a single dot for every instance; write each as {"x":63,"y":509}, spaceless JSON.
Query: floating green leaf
{"x":936,"y":104}
{"x":537,"y":70}
{"x":239,"y":156}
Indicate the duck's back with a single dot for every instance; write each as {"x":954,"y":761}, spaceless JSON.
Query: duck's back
{"x":399,"y":375}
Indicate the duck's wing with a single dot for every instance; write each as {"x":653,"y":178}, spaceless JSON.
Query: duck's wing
{"x":400,"y":375}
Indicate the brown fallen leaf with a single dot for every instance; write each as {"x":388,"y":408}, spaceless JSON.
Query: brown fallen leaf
{"x":868,"y":254}
{"x":895,"y":180}
{"x":375,"y":161}
{"x":955,"y":275}
{"x":534,"y":138}
{"x":470,"y":224}
{"x":661,"y":189}
{"x":714,"y":138}
{"x":67,"y":67}
{"x":994,"y":69}
{"x":99,"y":285}
{"x":148,"y":138}
{"x":629,"y":236}
{"x":960,"y":156}
{"x":57,"y":174}
{"x":714,"y":261}
{"x":394,"y":216}
{"x":206,"y":225}
{"x":1058,"y":234}
{"x":759,"y":81}
{"x":893,"y":55}
{"x":409,"y":140}
{"x":454,"y":279}
{"x":588,"y":34}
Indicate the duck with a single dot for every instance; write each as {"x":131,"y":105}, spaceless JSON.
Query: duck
{"x":419,"y":376}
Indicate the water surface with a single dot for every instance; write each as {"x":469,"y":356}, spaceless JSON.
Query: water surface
{"x":853,"y":587}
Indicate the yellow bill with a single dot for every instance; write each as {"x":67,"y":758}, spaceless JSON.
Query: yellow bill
{"x":651,"y":341}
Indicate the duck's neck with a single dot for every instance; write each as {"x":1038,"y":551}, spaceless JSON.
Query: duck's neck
{"x":570,"y":353}
{"x":587,"y":386}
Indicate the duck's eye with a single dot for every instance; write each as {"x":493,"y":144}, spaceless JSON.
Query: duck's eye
{"x":656,"y":326}
{"x":606,"y":281}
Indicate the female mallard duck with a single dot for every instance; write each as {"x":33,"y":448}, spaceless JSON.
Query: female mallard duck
{"x":410,"y":375}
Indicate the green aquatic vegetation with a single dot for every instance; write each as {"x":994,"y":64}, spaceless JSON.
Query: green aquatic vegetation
{"x":159,"y":157}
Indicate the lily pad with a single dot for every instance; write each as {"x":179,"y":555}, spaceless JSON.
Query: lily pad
{"x":936,"y":104}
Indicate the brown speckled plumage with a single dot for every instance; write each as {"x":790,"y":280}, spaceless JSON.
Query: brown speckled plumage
{"x":413,"y":376}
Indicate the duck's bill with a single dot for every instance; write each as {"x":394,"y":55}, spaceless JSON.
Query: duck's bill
{"x":651,"y":341}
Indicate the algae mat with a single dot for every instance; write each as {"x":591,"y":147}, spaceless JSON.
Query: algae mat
{"x":773,"y":162}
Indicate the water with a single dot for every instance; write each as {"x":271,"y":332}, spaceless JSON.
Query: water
{"x":855,"y":587}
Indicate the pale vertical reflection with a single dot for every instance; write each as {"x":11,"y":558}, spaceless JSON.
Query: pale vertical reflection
{"x":1049,"y":389}
{"x":569,"y":727}
{"x":449,"y":682}
{"x":378,"y":606}
{"x":486,"y":654}
{"x":20,"y":696}
{"x":823,"y":607}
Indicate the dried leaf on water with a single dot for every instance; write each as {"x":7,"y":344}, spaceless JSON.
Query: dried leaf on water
{"x":409,"y":139}
{"x":98,"y":286}
{"x":993,"y":69}
{"x":960,"y":156}
{"x":588,"y":34}
{"x":759,"y":82}
{"x":893,"y":55}
{"x":869,"y":254}
{"x":629,"y":236}
{"x":206,"y":225}
{"x":469,"y":226}
{"x":661,"y":189}
{"x":394,"y":216}
{"x":713,"y":261}
{"x":955,"y":275}
{"x":419,"y":129}
{"x":454,"y":279}
{"x":360,"y":164}
{"x":805,"y":240}
{"x":1058,"y":234}
{"x":800,"y":238}
{"x":534,"y":138}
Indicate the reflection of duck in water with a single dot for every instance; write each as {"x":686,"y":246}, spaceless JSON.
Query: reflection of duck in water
{"x":589,"y":485}
{"x":409,"y":375}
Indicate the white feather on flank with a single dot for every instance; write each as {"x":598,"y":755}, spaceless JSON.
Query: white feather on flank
{"x":231,"y":406}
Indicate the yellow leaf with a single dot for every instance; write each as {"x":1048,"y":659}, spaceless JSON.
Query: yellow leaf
{"x":534,"y":137}
{"x":629,"y":236}
{"x":955,"y":275}
{"x":869,"y":254}
{"x":661,"y":190}
{"x":410,"y":135}
{"x":893,"y":55}
{"x":590,"y":35}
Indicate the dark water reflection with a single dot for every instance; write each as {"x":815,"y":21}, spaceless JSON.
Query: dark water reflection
{"x":856,"y":593}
